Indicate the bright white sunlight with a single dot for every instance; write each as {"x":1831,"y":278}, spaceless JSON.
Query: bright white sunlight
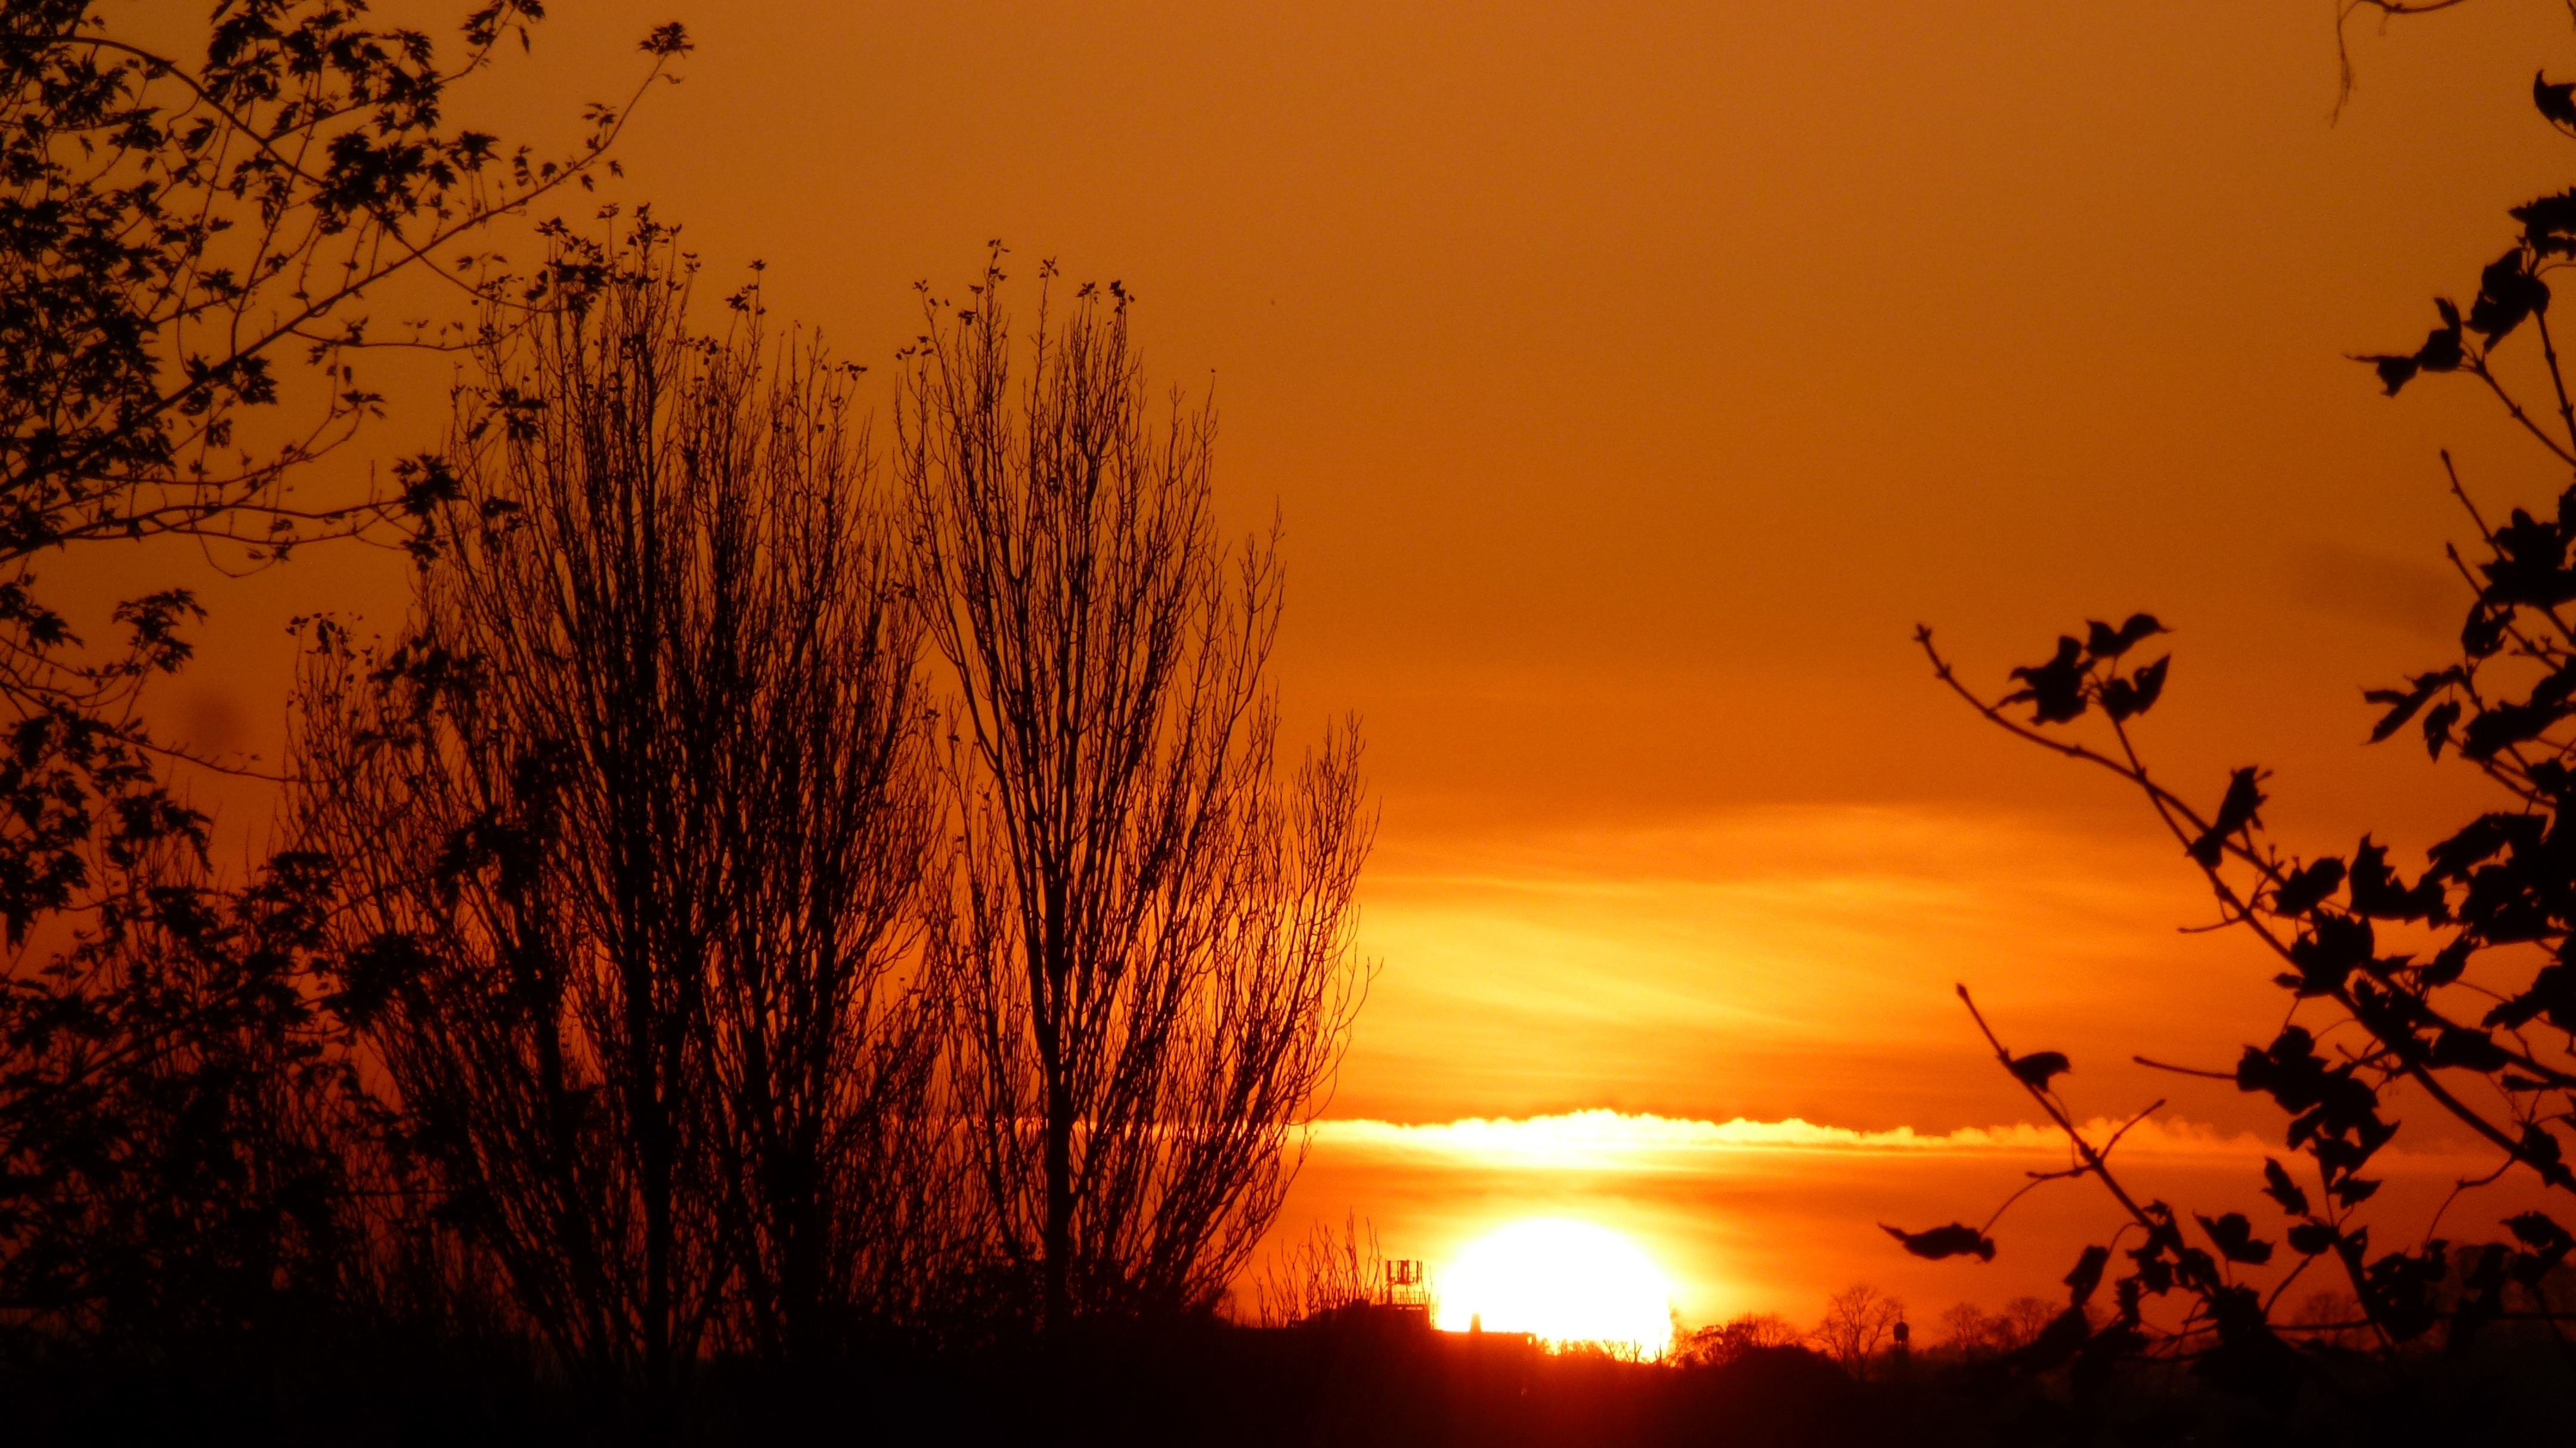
{"x":1564,"y":1283}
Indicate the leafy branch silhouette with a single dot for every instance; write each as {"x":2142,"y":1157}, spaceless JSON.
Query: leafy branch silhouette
{"x":2458,"y":983}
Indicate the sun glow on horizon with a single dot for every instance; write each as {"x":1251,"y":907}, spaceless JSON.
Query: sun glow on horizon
{"x":1564,"y":1282}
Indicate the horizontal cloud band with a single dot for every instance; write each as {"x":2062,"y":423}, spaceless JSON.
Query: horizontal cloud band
{"x":1613,"y":1140}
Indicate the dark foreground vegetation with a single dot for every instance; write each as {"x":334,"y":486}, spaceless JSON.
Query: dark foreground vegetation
{"x":1345,"y":1380}
{"x":777,"y":911}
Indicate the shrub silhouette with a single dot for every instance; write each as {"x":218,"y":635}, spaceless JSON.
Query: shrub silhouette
{"x":197,"y":219}
{"x":1331,"y":1271}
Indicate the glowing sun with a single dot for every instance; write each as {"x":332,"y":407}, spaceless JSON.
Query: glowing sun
{"x":1567,"y":1282}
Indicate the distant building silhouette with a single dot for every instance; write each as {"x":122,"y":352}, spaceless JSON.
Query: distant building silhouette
{"x":1407,"y":1289}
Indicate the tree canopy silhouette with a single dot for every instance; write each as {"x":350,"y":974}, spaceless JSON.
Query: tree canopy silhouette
{"x":1152,"y":929}
{"x":630,"y":830}
{"x":186,"y":248}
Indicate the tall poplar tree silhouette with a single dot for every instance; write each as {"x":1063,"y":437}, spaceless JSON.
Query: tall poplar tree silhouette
{"x":1152,"y":927}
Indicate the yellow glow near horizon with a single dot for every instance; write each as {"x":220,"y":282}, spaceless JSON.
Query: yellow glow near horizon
{"x":1566,"y":1282}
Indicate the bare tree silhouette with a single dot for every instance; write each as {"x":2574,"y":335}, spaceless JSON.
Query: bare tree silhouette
{"x":1330,"y":1270}
{"x":1857,"y":1320}
{"x":630,"y":829}
{"x":824,"y":1025}
{"x":1153,"y":930}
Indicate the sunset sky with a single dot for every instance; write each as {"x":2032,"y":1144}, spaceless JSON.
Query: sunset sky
{"x":1631,"y":379}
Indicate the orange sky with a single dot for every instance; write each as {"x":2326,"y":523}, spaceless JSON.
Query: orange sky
{"x":1632,"y":378}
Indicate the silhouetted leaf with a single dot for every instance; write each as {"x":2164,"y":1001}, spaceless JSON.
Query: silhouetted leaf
{"x":2399,"y":1289}
{"x":2483,"y":633}
{"x":2278,"y":1186}
{"x":2499,"y":727}
{"x":2401,"y":707}
{"x":2328,"y":1102}
{"x":2552,"y":992}
{"x":2540,"y":1149}
{"x":2034,"y":1069}
{"x":1953,"y":1240}
{"x":2474,"y":1050}
{"x":2529,"y":566}
{"x":2235,"y":1239}
{"x":2540,"y":1232}
{"x":2137,"y":693}
{"x":2402,"y":703}
{"x":2481,"y":840}
{"x":2376,"y":891}
{"x":2437,"y":726}
{"x":2087,"y":1275}
{"x":2309,"y":1238}
{"x":2056,"y":688}
{"x":2447,"y":963}
{"x":2155,"y":1274}
{"x":2547,"y":1244}
{"x":2333,"y":947}
{"x":2105,"y":643}
{"x":2394,"y":370}
{"x":2309,"y":887}
{"x":2442,"y":351}
{"x":2236,"y":810}
{"x":2548,"y":222}
{"x":2507,"y":294}
{"x":2552,"y":100}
